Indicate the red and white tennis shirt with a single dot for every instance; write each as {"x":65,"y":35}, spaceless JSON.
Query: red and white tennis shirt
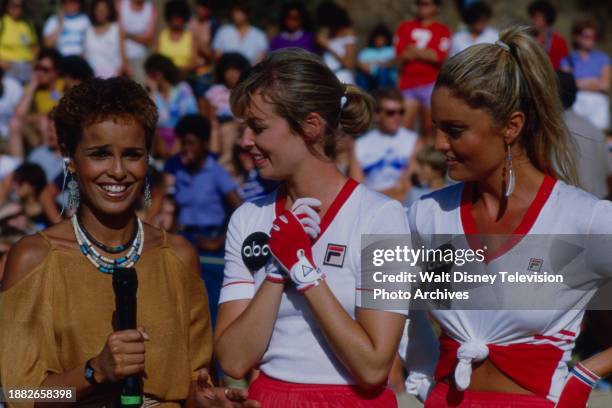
{"x":530,"y":346}
{"x":298,"y":351}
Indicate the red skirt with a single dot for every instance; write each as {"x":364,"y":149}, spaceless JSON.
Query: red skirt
{"x":443,"y":396}
{"x":272,"y":393}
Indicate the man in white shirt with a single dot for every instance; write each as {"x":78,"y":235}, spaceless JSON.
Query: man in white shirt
{"x":240,"y":36}
{"x":476,"y":31}
{"x":383,"y":154}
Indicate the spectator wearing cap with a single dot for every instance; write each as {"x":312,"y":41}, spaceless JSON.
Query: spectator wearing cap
{"x":592,"y":156}
{"x":66,"y":29}
{"x":476,"y":17}
{"x":543,"y":15}
{"x":294,"y":24}
{"x":240,"y":36}
{"x":137,"y":19}
{"x":176,"y":41}
{"x":18,"y":42}
{"x":104,"y":41}
{"x":39,"y":97}
{"x":591,"y":69}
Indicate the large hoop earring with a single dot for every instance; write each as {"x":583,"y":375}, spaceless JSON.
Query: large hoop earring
{"x":511,"y":176}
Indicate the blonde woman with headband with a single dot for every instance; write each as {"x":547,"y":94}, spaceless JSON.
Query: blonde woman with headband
{"x":290,"y":302}
{"x":497,"y":119}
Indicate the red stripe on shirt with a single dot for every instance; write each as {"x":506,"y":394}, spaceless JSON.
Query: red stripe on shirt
{"x":237,"y":282}
{"x":551,"y":338}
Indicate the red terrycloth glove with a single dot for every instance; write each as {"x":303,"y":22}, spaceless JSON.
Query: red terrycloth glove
{"x":577,"y":388}
{"x":291,"y":247}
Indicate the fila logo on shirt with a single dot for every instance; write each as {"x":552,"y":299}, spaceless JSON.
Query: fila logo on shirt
{"x":535,"y":264}
{"x":255,"y":251}
{"x":334,"y":256}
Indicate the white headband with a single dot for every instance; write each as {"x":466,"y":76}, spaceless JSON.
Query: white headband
{"x":502,"y":45}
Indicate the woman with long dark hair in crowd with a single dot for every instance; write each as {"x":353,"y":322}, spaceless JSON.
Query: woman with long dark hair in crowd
{"x":57,"y":301}
{"x":292,"y":304}
{"x":498,"y":121}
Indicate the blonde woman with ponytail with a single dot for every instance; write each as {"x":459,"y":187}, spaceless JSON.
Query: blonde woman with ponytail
{"x":497,"y":118}
{"x":290,"y":301}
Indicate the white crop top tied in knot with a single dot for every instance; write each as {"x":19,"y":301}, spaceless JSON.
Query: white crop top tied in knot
{"x":471,"y":351}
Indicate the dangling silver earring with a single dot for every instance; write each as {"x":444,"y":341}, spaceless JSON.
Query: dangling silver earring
{"x":511,"y":178}
{"x":148,"y":200}
{"x":74,"y":197}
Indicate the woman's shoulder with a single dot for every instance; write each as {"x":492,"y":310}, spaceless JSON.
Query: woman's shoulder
{"x":23,"y":257}
{"x":183,"y":249}
{"x":158,"y":239}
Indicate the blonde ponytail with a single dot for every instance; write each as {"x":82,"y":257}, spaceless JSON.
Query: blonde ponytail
{"x":516,"y":75}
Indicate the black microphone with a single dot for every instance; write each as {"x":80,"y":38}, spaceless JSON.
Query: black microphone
{"x":125,"y":284}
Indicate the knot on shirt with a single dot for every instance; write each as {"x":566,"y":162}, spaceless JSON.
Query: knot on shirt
{"x":470,"y":351}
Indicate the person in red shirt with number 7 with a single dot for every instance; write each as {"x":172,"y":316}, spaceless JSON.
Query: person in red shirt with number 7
{"x":421,"y":46}
{"x":291,"y":297}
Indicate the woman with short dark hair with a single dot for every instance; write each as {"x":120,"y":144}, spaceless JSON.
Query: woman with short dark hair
{"x":57,"y":302}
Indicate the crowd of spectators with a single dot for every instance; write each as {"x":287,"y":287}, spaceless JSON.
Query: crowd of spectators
{"x":189,"y":59}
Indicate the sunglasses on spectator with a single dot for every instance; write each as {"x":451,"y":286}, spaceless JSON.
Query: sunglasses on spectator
{"x":394,"y":112}
{"x":43,"y":68}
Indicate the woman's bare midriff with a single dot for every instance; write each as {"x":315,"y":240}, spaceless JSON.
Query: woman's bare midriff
{"x":487,"y":377}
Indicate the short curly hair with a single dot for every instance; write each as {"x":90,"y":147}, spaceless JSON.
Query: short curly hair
{"x":98,"y":99}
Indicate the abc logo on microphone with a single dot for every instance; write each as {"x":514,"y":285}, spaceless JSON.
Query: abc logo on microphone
{"x":255,"y":251}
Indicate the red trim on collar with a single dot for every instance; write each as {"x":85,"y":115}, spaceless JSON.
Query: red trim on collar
{"x":335,"y":206}
{"x":530,"y":217}
{"x":332,"y":211}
